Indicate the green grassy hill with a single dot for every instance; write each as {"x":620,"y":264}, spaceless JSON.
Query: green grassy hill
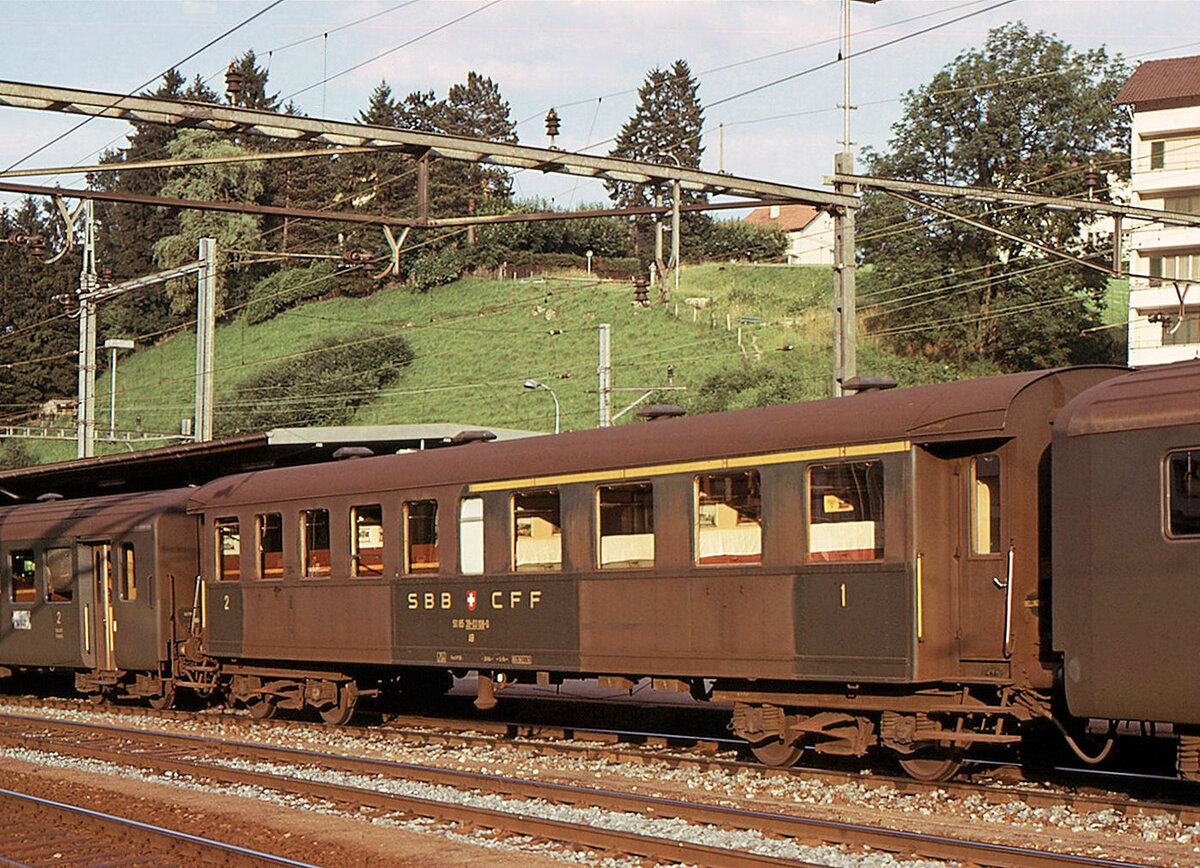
{"x":762,"y":332}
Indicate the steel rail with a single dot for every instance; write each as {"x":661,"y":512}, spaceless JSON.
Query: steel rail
{"x":230,"y":854}
{"x":789,"y":826}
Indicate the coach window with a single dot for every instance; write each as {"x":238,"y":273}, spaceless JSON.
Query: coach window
{"x":23,"y":570}
{"x":537,"y":531}
{"x":420,"y":536}
{"x":1183,"y":493}
{"x":269,"y":531}
{"x":845,"y":519}
{"x":366,"y":540}
{"x":728,"y":519}
{"x":985,"y":505}
{"x":129,"y":589}
{"x":314,"y":542}
{"x":626,"y":525}
{"x":470,"y":536}
{"x":60,"y":578}
{"x":229,"y":550}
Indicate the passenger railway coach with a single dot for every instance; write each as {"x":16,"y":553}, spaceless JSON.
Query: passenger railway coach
{"x":873,"y":571}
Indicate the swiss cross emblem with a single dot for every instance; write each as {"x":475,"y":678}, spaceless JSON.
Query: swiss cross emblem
{"x":472,"y":599}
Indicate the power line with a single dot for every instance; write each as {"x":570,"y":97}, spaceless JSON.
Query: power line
{"x":147,"y":83}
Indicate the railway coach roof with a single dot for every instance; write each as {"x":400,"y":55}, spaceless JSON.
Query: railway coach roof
{"x":1159,"y":396}
{"x":968,"y":410}
{"x":89,"y":516}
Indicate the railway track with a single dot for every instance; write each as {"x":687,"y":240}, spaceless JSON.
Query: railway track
{"x":387,"y":787}
{"x":1125,"y":796}
{"x":38,"y":832}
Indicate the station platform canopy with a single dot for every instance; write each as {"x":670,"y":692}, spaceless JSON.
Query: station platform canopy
{"x":197,"y":463}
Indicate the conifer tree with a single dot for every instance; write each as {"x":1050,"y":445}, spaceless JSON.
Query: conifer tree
{"x":665,"y":128}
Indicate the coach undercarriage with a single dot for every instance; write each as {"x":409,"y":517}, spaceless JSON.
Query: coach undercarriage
{"x":928,"y":730}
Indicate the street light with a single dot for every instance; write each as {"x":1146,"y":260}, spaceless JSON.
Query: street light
{"x":114,"y":344}
{"x":534,"y":384}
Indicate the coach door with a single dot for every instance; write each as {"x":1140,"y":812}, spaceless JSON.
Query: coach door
{"x":97,"y":591}
{"x":984,"y":562}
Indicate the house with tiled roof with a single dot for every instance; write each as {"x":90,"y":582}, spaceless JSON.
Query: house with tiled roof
{"x":1164,"y":266}
{"x":809,"y":231}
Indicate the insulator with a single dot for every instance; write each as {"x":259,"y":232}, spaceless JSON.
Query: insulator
{"x":552,"y":123}
{"x":233,"y":83}
{"x":357,"y":255}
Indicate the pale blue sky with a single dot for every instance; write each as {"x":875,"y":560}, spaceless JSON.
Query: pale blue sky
{"x":585,"y":57}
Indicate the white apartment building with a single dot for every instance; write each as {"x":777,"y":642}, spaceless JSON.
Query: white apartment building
{"x":1164,"y":266}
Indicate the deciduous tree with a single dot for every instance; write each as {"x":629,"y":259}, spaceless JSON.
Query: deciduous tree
{"x":1024,"y":112}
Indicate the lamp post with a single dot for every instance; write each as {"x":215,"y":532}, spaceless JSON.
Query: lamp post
{"x":112,"y":345}
{"x":534,"y":384}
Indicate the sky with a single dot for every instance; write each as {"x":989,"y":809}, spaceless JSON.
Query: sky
{"x":586,"y":58}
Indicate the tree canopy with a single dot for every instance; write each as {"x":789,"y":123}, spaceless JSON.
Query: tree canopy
{"x":665,"y":128}
{"x":1024,"y":112}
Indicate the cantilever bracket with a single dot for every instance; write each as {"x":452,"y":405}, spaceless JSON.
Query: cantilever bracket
{"x":70,"y":219}
{"x":394,"y":265}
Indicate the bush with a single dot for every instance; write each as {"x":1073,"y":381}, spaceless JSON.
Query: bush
{"x":286,"y":287}
{"x":321,"y":387}
{"x":436,"y":268}
{"x":737,"y":239}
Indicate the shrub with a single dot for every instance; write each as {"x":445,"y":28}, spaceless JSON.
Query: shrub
{"x":286,"y":287}
{"x":321,"y":387}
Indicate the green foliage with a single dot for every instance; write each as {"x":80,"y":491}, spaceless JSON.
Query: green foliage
{"x":1024,"y":112}
{"x":665,"y":128}
{"x":322,"y":386}
{"x":436,"y":267}
{"x":287,"y":286}
{"x":604,"y":236}
{"x":779,"y":381}
{"x":14,"y":454}
{"x":37,"y":336}
{"x":737,"y":239}
{"x":238,"y":182}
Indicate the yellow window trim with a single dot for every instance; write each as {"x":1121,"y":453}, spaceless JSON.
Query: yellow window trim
{"x":830,"y":452}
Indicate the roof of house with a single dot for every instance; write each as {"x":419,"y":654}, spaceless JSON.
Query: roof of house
{"x":1174,"y":79}
{"x":789,"y":218}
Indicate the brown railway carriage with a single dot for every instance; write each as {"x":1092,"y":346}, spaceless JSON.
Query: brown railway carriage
{"x":848,"y":572}
{"x":1127,"y":551}
{"x":99,"y":585}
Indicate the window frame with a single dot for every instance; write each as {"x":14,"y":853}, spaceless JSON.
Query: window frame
{"x":407,"y":517}
{"x":127,"y":589}
{"x":627,"y":563}
{"x":309,"y":529}
{"x":996,"y":511}
{"x":879,"y":532}
{"x":12,"y":576}
{"x":1165,"y":500}
{"x":48,"y":596}
{"x":754,"y":484}
{"x":357,"y":569}
{"x":220,"y":523}
{"x":476,"y":539}
{"x":260,"y":527}
{"x":515,"y":536}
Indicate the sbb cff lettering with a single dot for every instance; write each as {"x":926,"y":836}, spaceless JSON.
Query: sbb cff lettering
{"x":514,"y":599}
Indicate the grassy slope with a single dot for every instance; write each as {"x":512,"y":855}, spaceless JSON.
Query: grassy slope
{"x":476,"y":341}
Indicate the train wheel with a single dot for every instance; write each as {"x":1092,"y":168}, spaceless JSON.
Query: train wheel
{"x":341,"y":712}
{"x":164,"y":700}
{"x":777,"y":754}
{"x":932,"y":764}
{"x":261,"y":708}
